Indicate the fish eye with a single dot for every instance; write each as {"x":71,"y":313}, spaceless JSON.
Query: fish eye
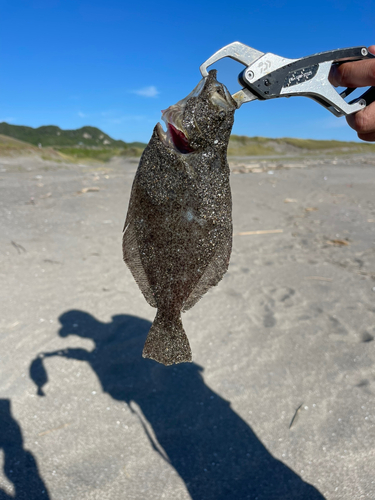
{"x":220,"y":91}
{"x":222,"y":114}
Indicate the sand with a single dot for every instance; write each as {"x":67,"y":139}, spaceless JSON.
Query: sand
{"x":279,"y":400}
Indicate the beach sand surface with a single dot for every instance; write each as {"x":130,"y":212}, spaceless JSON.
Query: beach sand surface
{"x":279,"y":402}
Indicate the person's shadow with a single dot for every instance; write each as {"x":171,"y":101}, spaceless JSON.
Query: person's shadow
{"x":20,"y":466}
{"x":213,"y":450}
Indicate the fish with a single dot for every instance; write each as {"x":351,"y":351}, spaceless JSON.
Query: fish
{"x":177,"y":237}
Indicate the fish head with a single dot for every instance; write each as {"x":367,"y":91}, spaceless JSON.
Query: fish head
{"x":201,"y":120}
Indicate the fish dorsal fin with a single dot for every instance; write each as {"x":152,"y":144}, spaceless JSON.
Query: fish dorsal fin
{"x":133,"y":260}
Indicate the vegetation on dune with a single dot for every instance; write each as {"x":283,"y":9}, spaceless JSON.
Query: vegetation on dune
{"x":241,"y":145}
{"x":8,"y":144}
{"x":97,"y":154}
{"x":315,"y":145}
{"x":263,"y":146}
{"x":91,"y":144}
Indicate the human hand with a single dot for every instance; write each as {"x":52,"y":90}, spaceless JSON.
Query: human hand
{"x":358,"y":74}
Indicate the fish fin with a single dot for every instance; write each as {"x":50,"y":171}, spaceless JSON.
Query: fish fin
{"x":213,"y":273}
{"x":167,"y":342}
{"x":133,"y":260}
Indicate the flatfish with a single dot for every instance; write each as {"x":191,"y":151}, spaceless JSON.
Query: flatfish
{"x":178,"y":231}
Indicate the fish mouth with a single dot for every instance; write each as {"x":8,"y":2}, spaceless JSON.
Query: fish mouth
{"x":175,"y":137}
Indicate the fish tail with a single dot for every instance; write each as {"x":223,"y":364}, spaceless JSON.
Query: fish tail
{"x":167,"y":342}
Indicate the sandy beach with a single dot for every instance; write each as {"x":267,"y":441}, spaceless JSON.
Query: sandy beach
{"x":278,"y":403}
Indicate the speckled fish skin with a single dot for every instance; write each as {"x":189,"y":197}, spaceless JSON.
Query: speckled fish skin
{"x":178,"y":231}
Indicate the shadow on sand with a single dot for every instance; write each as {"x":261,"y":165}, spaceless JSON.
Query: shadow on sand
{"x":213,"y":450}
{"x":20,"y":467}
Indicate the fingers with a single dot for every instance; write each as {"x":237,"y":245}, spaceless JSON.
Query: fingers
{"x":354,"y":74}
{"x":363,"y":123}
{"x":358,"y":74}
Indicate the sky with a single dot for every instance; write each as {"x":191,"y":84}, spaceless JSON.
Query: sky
{"x":116,"y":64}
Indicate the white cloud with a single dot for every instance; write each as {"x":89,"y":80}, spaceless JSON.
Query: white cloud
{"x":81,"y":115}
{"x":150,"y":91}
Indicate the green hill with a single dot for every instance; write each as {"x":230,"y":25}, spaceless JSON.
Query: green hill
{"x":83,"y":143}
{"x":50,"y":135}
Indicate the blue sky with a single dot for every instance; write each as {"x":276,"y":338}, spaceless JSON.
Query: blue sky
{"x":115,"y":64}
